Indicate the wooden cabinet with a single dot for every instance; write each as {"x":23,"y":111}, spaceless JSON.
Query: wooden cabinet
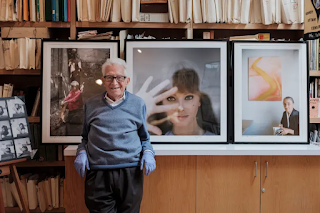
{"x":291,"y":184}
{"x":74,"y":189}
{"x":171,"y":187}
{"x":228,"y":184}
{"x":224,"y":184}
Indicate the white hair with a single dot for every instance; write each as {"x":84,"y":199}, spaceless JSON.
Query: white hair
{"x":112,"y":61}
{"x":74,"y":83}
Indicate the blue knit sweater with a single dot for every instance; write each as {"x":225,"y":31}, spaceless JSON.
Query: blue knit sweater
{"x":115,"y":137}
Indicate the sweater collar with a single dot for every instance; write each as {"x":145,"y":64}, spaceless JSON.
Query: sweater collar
{"x":125,"y":98}
{"x":110,"y":101}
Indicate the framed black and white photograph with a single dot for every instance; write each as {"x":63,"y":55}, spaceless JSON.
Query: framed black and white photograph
{"x":23,"y":147}
{"x":71,"y":74}
{"x":184,"y":86}
{"x":16,"y":107}
{"x":270,"y":92}
{"x":3,"y":110}
{"x":19,"y":127}
{"x":7,"y":151}
{"x":5,"y":128}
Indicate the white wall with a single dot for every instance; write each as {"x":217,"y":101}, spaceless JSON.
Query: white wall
{"x":267,"y":114}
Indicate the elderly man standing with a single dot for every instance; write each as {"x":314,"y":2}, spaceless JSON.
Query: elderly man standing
{"x":115,"y":145}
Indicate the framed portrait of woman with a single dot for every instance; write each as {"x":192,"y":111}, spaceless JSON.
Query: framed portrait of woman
{"x":184,"y":86}
{"x":270,"y":92}
{"x":71,"y":73}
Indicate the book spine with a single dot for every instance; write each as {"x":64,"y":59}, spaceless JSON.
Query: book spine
{"x":65,"y":9}
{"x":53,"y":10}
{"x":68,"y":10}
{"x":38,"y":10}
{"x":57,"y":10}
{"x":48,"y":10}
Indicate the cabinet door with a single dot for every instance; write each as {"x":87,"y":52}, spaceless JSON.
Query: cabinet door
{"x":74,"y":189}
{"x":228,"y":184}
{"x":171,"y":187}
{"x":291,"y":184}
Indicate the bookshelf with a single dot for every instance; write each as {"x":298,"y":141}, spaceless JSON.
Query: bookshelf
{"x":34,"y":119}
{"x":35,"y":24}
{"x":314,"y":120}
{"x":20,"y":72}
{"x":248,"y":26}
{"x":41,"y":164}
{"x":314,"y":73}
{"x":86,"y":24}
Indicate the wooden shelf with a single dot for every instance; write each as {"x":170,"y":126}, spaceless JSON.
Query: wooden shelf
{"x":314,"y":120}
{"x":20,"y":72}
{"x":87,"y":24}
{"x":35,"y":24}
{"x":17,"y":210}
{"x":34,"y":119}
{"x":153,"y":25}
{"x":248,"y":26}
{"x":40,"y":164}
{"x":314,"y":73}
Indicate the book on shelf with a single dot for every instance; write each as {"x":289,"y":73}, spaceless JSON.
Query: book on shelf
{"x":245,"y":12}
{"x":126,"y":12}
{"x":42,"y":191}
{"x":258,"y":37}
{"x":208,"y":34}
{"x":153,"y":1}
{"x":6,"y":90}
{"x":314,"y":107}
{"x":35,"y":10}
{"x":134,"y":11}
{"x":21,"y":53}
{"x":94,"y":35}
{"x":154,"y":13}
{"x":313,"y":54}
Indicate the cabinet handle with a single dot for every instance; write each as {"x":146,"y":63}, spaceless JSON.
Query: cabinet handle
{"x":255,"y":169}
{"x":267,"y":169}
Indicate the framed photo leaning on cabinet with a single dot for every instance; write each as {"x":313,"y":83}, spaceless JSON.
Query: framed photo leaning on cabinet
{"x":71,"y":74}
{"x":270,"y":92}
{"x":184,"y":85}
{"x":16,"y":140}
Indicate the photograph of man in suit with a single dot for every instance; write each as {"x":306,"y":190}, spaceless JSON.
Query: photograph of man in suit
{"x":290,"y":118}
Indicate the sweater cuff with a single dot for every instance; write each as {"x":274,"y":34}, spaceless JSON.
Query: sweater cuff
{"x":148,"y":150}
{"x":80,"y":150}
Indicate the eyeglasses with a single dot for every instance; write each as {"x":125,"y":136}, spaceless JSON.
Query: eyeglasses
{"x":119,"y":78}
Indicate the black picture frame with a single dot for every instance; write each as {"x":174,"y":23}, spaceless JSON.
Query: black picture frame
{"x":190,"y":43}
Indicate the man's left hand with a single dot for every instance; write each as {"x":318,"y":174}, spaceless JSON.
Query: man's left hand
{"x":149,"y":162}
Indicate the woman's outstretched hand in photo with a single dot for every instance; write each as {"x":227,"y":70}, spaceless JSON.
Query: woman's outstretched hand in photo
{"x":151,"y":99}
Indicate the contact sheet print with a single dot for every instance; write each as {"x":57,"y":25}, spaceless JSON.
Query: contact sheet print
{"x":14,"y":129}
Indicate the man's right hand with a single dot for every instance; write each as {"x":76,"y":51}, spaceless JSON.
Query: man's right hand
{"x":81,"y":162}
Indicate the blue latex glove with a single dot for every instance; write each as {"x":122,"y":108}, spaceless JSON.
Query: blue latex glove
{"x":81,"y":162}
{"x":149,"y":162}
